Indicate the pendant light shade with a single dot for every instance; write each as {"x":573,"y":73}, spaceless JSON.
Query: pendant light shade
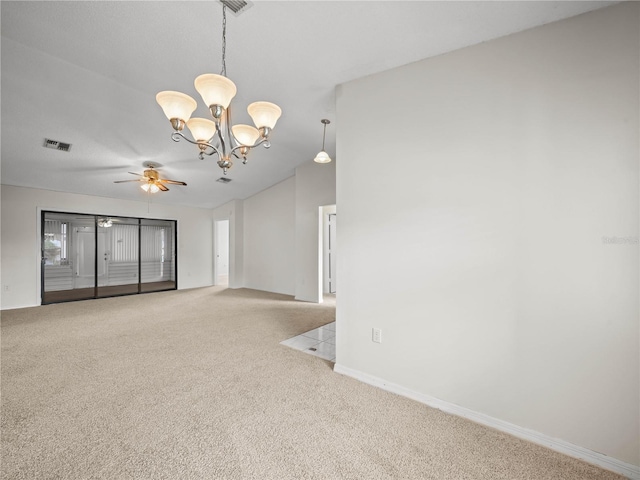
{"x":323,"y":156}
{"x":202,"y":129}
{"x":215,"y":89}
{"x":176,"y":105}
{"x":264,"y":114}
{"x":245,"y":134}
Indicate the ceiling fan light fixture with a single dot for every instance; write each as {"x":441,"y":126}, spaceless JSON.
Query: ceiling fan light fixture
{"x":150,"y":187}
{"x":151,"y":180}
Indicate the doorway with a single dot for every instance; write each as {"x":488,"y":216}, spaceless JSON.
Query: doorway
{"x":221,"y":267}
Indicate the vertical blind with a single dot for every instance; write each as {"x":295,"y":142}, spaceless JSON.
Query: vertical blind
{"x":53,"y":226}
{"x":124,"y":243}
{"x":55,"y":232}
{"x":156,"y":243}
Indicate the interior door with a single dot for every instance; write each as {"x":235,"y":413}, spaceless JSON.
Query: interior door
{"x":85,"y":257}
{"x":222,"y":252}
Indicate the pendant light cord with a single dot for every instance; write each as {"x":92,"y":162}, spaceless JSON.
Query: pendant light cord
{"x":324,"y":134}
{"x":224,"y":41}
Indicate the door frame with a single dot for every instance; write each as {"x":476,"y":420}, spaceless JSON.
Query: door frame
{"x":42,"y":213}
{"x":325,"y":212}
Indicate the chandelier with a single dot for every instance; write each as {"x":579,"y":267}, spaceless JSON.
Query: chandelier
{"x":219,"y":136}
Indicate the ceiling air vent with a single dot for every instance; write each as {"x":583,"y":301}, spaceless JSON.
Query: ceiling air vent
{"x":223,"y":180}
{"x":237,"y":6}
{"x":56,"y":145}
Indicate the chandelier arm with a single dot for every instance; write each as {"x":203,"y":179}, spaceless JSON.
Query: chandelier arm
{"x":229,"y":128}
{"x":221,"y":138}
{"x":258,"y":143}
{"x":176,"y":136}
{"x":214,"y":150}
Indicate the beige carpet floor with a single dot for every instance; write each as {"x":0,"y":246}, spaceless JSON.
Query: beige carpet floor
{"x":194,"y":385}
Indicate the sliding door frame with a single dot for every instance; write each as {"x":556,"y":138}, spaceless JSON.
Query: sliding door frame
{"x":139,"y":220}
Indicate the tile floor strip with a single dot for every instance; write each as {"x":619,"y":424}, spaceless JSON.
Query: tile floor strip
{"x":319,"y":342}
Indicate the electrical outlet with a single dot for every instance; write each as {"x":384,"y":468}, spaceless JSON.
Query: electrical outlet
{"x":5,"y":288}
{"x":376,"y":335}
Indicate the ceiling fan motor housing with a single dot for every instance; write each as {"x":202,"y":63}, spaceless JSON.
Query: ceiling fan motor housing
{"x":151,"y":174}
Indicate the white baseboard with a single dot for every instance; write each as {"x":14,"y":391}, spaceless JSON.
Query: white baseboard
{"x":630,"y":471}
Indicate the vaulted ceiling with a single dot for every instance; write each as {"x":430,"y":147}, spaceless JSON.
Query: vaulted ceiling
{"x":86,"y":73}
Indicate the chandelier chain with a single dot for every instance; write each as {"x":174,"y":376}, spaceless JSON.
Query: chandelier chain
{"x":224,"y":41}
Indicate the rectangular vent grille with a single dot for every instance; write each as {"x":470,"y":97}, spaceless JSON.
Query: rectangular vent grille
{"x":223,"y":180}
{"x":56,"y":145}
{"x":237,"y":6}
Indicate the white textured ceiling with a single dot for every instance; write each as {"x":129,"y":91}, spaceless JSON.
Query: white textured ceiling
{"x":87,"y":73}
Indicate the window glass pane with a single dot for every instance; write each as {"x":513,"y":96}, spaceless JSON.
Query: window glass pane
{"x":68,"y":256}
{"x":158,"y":255}
{"x":118,"y":258}
{"x":89,"y":256}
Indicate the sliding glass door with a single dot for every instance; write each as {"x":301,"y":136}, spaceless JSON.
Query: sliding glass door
{"x":92,"y":256}
{"x":118,"y":254}
{"x":157,"y":238}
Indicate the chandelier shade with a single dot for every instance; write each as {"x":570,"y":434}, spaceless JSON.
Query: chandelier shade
{"x":246,"y":135}
{"x":202,"y":129}
{"x":215,"y":89}
{"x":264,"y":114}
{"x":176,"y":105}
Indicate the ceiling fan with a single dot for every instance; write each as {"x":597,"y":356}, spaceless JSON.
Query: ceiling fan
{"x":151,"y":181}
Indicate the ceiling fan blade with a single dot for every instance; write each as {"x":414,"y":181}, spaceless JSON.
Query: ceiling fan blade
{"x":125,"y":181}
{"x":162,"y":187}
{"x":138,"y":174}
{"x":172,"y":182}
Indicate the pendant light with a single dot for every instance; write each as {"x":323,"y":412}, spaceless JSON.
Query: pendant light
{"x":322,"y":156}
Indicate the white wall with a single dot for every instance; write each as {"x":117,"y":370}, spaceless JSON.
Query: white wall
{"x":275,"y":234}
{"x":21,"y":242}
{"x":499,"y":172}
{"x":315,"y":187}
{"x":269,"y":239}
